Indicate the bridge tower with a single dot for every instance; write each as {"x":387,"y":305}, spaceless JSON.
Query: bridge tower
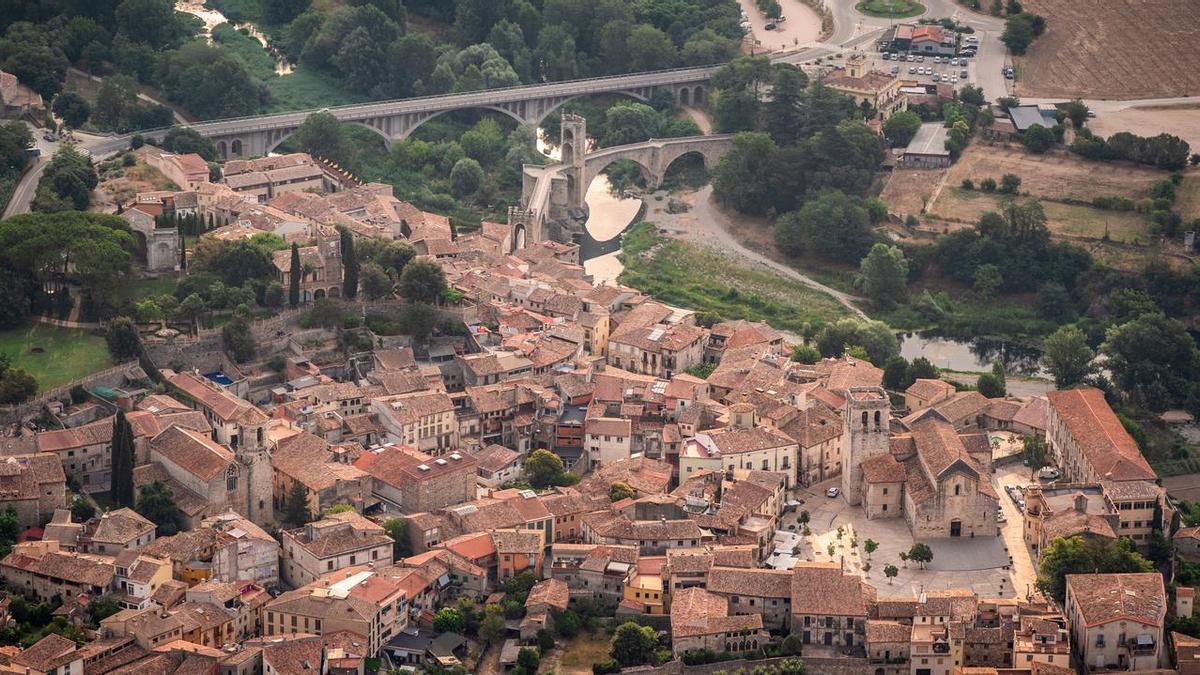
{"x":574,"y":152}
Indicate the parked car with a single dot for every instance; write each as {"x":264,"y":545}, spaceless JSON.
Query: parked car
{"x":1009,"y":76}
{"x":1000,"y":517}
{"x":887,"y":56}
{"x":912,"y":70}
{"x":953,"y":79}
{"x":1049,"y":473}
{"x":781,"y":19}
{"x":770,"y":26}
{"x":954,"y":62}
{"x":1091,"y":113}
{"x":833,"y":492}
{"x":895,"y":70}
{"x":911,"y":58}
{"x":963,"y":73}
{"x":920,"y":59}
{"x":937,"y":77}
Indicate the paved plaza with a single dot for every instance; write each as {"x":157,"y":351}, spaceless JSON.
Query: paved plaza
{"x":982,"y":564}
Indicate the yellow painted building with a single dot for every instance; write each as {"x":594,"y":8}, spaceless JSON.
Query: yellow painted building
{"x":645,"y":591}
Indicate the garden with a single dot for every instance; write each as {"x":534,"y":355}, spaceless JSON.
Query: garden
{"x":891,"y":9}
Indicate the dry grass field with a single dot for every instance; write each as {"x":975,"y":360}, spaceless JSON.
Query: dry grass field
{"x":907,"y":191}
{"x":1114,"y":49}
{"x":1068,"y":220}
{"x":1059,"y":176}
{"x":1181,"y":120}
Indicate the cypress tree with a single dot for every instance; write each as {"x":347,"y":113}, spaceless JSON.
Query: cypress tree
{"x":295,"y":507}
{"x":294,"y":277}
{"x":349,"y":264}
{"x":122,"y":461}
{"x":182,"y":253}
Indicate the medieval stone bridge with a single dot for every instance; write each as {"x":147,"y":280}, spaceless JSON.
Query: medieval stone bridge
{"x":395,"y":120}
{"x":551,"y":193}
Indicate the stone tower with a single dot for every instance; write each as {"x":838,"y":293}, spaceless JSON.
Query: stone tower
{"x":259,"y":477}
{"x":856,"y":65}
{"x":865,"y":435}
{"x":329,"y":245}
{"x":573,"y":144}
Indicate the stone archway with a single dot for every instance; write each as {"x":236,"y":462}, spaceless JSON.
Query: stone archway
{"x":235,"y":147}
{"x":518,"y":238}
{"x":684,"y":96}
{"x":698,"y":95}
{"x":222,"y":149}
{"x":319,"y":294}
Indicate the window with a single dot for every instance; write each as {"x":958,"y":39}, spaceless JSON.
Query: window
{"x":231,"y":478}
{"x":957,"y":489}
{"x":353,"y":559}
{"x":329,"y":565}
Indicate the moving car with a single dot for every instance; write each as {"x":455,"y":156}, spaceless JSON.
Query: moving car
{"x":833,"y":492}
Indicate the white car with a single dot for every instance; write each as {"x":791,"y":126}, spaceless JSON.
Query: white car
{"x":833,"y":492}
{"x":953,"y":80}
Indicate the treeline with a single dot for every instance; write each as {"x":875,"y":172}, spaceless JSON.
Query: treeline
{"x":42,"y":254}
{"x":1164,"y":151}
{"x":498,"y":43}
{"x":129,"y":42}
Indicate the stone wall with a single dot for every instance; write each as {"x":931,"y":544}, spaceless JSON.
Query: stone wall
{"x":824,"y":666}
{"x":111,"y":377}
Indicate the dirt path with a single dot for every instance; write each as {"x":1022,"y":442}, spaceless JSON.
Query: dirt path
{"x":700,"y":117}
{"x":709,"y":225}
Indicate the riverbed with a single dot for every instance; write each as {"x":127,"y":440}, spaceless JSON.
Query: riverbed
{"x":609,"y":214}
{"x":975,"y":355}
{"x":211,"y":18}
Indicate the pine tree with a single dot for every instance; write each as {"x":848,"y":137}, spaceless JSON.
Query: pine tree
{"x":349,"y":264}
{"x":122,"y":461}
{"x":294,"y":277}
{"x":295,"y":505}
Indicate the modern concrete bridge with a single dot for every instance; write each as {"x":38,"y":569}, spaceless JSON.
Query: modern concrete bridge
{"x":550,"y":193}
{"x":395,"y":120}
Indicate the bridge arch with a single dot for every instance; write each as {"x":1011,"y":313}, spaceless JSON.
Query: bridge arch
{"x":597,"y":166}
{"x":634,"y":95}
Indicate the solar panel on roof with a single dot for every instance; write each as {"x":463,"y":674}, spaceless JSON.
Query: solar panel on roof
{"x":656,"y":334}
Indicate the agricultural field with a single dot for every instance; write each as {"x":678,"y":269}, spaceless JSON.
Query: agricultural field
{"x":1068,"y":220}
{"x":1112,"y":49}
{"x":1182,"y":120}
{"x":1058,"y":176}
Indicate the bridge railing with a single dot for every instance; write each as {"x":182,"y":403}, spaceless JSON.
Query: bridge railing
{"x":563,"y":87}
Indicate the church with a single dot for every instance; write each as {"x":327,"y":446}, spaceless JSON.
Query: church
{"x":934,"y":477}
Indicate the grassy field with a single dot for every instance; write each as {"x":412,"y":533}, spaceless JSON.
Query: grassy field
{"x":247,"y":50}
{"x":303,"y":89}
{"x":147,"y":288}
{"x":581,"y":652}
{"x":1057,"y":175}
{"x":66,"y":353}
{"x":1071,"y":220}
{"x":701,"y":279}
{"x":890,"y":9}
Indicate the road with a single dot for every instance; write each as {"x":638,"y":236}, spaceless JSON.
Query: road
{"x":22,"y":195}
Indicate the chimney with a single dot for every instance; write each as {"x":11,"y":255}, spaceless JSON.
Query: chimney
{"x":1081,"y":502}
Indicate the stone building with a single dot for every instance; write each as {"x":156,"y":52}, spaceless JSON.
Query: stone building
{"x":700,"y":620}
{"x":411,"y":481}
{"x":870,"y":89}
{"x":321,"y":266}
{"x":34,"y":485}
{"x":202,"y":466}
{"x":1117,"y":620}
{"x":338,"y":541}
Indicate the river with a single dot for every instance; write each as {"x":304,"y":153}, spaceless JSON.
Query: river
{"x":609,"y":215}
{"x":213,"y":18}
{"x":975,"y":355}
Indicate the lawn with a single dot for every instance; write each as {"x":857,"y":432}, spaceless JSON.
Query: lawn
{"x":702,"y":279}
{"x":66,"y":354}
{"x":147,"y":288}
{"x":890,"y":9}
